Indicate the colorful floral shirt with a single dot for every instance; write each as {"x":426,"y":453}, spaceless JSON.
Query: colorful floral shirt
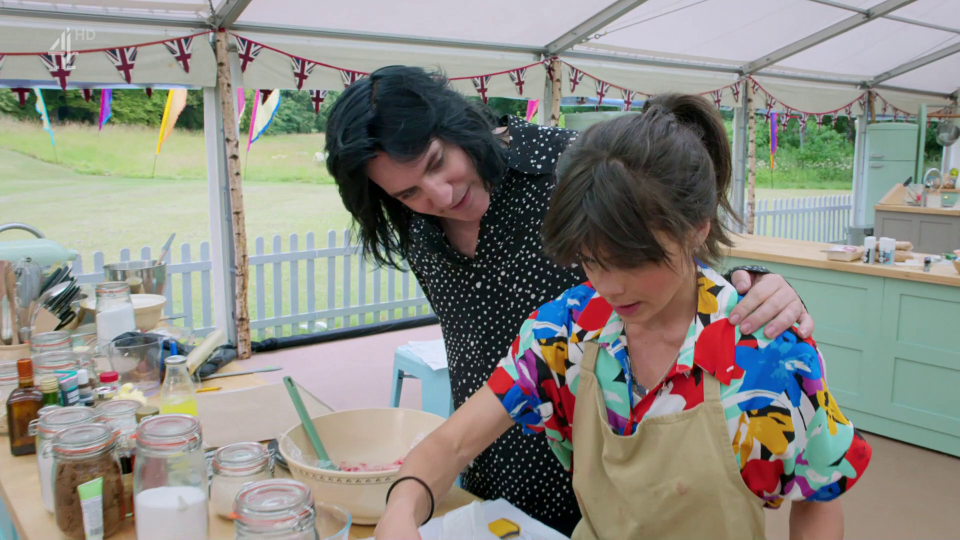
{"x":788,"y":434}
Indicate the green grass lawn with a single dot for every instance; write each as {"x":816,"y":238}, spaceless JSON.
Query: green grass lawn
{"x":100,"y":198}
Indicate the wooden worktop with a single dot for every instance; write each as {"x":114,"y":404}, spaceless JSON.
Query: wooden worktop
{"x":809,"y":254}
{"x":893,"y":202}
{"x":20,"y":488}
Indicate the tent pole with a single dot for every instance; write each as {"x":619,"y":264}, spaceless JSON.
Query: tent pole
{"x":872,"y":106}
{"x":557,"y":91}
{"x":751,"y":155}
{"x":739,"y":185}
{"x":231,"y":139}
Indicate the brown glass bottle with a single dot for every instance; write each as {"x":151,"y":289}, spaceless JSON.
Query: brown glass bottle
{"x":23,"y":407}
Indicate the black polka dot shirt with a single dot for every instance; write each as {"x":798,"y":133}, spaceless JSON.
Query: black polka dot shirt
{"x":481,"y":304}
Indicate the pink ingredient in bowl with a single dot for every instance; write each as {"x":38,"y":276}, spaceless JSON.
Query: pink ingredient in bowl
{"x":363,"y":467}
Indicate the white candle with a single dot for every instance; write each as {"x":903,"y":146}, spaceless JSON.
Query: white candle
{"x":169,"y":512}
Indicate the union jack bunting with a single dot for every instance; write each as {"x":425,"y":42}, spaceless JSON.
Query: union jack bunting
{"x":123,"y":59}
{"x":896,"y":114}
{"x":480,"y":83}
{"x":735,"y":90}
{"x":835,"y":116}
{"x":548,"y":65}
{"x":862,"y":101}
{"x":247,"y":51}
{"x":883,"y":110}
{"x":628,"y":97}
{"x":785,"y":118}
{"x":317,"y":96}
{"x":2,"y":56}
{"x":576,"y":77}
{"x":518,"y":76}
{"x":22,"y":94}
{"x":717,"y":96}
{"x":301,"y":70}
{"x":350,"y":77}
{"x":149,"y":92}
{"x":181,"y":50}
{"x":756,"y":87}
{"x":819,"y":118}
{"x":803,"y":121}
{"x":848,"y":110}
{"x":602,"y":89}
{"x":771,"y":102}
{"x":87,"y":94}
{"x":59,"y":65}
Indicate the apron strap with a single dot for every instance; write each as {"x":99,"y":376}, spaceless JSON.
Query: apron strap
{"x":711,"y":388}
{"x":591,"y":350}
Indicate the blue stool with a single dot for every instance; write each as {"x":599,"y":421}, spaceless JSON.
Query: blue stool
{"x":436,"y":395}
{"x":7,"y":530}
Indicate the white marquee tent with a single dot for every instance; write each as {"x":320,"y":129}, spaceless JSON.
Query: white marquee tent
{"x":808,"y":56}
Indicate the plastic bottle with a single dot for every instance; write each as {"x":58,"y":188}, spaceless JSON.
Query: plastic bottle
{"x":178,"y":395}
{"x":870,"y":250}
{"x":85,"y":388}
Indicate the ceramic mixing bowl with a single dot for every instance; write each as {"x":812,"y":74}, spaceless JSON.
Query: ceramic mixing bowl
{"x":371,"y":436}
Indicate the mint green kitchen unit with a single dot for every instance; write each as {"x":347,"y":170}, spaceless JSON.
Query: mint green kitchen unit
{"x":891,"y":350}
{"x":891,"y":159}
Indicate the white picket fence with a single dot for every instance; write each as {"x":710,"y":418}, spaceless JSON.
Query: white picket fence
{"x":818,"y":219}
{"x":284,"y":295}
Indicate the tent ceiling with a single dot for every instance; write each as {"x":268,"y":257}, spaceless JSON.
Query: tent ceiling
{"x":710,"y":36}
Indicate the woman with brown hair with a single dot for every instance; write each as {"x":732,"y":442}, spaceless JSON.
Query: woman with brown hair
{"x":675,"y":424}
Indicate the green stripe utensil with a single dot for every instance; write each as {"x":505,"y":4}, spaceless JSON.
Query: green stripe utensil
{"x":308,"y":426}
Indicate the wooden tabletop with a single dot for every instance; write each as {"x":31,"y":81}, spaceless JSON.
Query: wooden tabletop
{"x":809,"y":254}
{"x":954,"y":211}
{"x":20,"y":487}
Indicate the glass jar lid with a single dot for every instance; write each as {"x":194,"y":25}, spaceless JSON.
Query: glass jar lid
{"x":113,"y":288}
{"x":47,"y":409}
{"x":84,"y":440}
{"x":168,"y":432}
{"x":241,"y":459}
{"x":117,"y":408}
{"x":273,"y":504}
{"x":59,"y":419}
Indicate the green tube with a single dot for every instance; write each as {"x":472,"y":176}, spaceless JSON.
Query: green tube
{"x":91,"y":502}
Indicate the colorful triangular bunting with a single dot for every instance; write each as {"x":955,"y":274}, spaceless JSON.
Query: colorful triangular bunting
{"x":181,"y":49}
{"x":123,"y":59}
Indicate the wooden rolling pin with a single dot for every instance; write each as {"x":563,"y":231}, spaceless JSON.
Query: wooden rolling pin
{"x":202,"y":352}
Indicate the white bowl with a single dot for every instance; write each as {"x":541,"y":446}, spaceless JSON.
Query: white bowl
{"x":372,"y":436}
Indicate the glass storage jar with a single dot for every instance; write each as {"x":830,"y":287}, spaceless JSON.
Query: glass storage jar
{"x":170,"y":481}
{"x":50,"y":342}
{"x":46,"y":428}
{"x":83,"y":454}
{"x":121,"y":414}
{"x":114,"y":312}
{"x":54,"y":363}
{"x":276,"y":509}
{"x":233,"y":466}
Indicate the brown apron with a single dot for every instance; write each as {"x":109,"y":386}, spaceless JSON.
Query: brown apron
{"x":675,"y":477}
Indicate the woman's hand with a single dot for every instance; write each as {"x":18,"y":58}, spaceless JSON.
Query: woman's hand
{"x":397,"y":524}
{"x":769,"y":301}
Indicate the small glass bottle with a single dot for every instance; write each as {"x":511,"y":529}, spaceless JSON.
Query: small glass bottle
{"x":276,"y":509}
{"x":50,"y":388}
{"x":85,"y":388}
{"x":114,"y":312}
{"x":178,"y":395}
{"x":23,"y":407}
{"x":121,"y":414}
{"x":171,"y":466}
{"x":233,"y":466}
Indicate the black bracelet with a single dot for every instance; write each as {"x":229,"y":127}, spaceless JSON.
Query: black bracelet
{"x":425,"y":486}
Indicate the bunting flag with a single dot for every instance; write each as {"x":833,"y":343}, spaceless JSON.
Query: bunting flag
{"x":59,"y":65}
{"x":532,"y":106}
{"x":819,"y":118}
{"x":106,"y":100}
{"x":848,"y":110}
{"x":22,"y":94}
{"x":349,"y":77}
{"x":301,"y":70}
{"x":602,"y":89}
{"x":735,"y":90}
{"x":773,"y":138}
{"x":576,"y":77}
{"x":548,"y":65}
{"x":123,"y":59}
{"x":785,"y":119}
{"x":317,"y":96}
{"x":756,"y":87}
{"x":2,"y":56}
{"x":262,"y":115}
{"x":518,"y":76}
{"x":771,"y":102}
{"x":628,"y":97}
{"x":883,"y":110}
{"x":241,"y":104}
{"x":896,"y":114}
{"x":149,"y":92}
{"x":717,"y":96}
{"x":803,"y":121}
{"x":862,"y":101}
{"x":834,"y":119}
{"x":480,"y":83}
{"x":87,"y":94}
{"x":247,"y":51}
{"x":181,"y":50}
{"x":42,"y":111}
{"x":176,"y":101}
{"x":265,"y":95}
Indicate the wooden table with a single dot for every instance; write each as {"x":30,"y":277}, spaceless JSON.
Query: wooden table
{"x":20,"y":488}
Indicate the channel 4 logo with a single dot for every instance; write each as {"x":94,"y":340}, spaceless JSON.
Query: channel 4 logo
{"x":64,"y":43}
